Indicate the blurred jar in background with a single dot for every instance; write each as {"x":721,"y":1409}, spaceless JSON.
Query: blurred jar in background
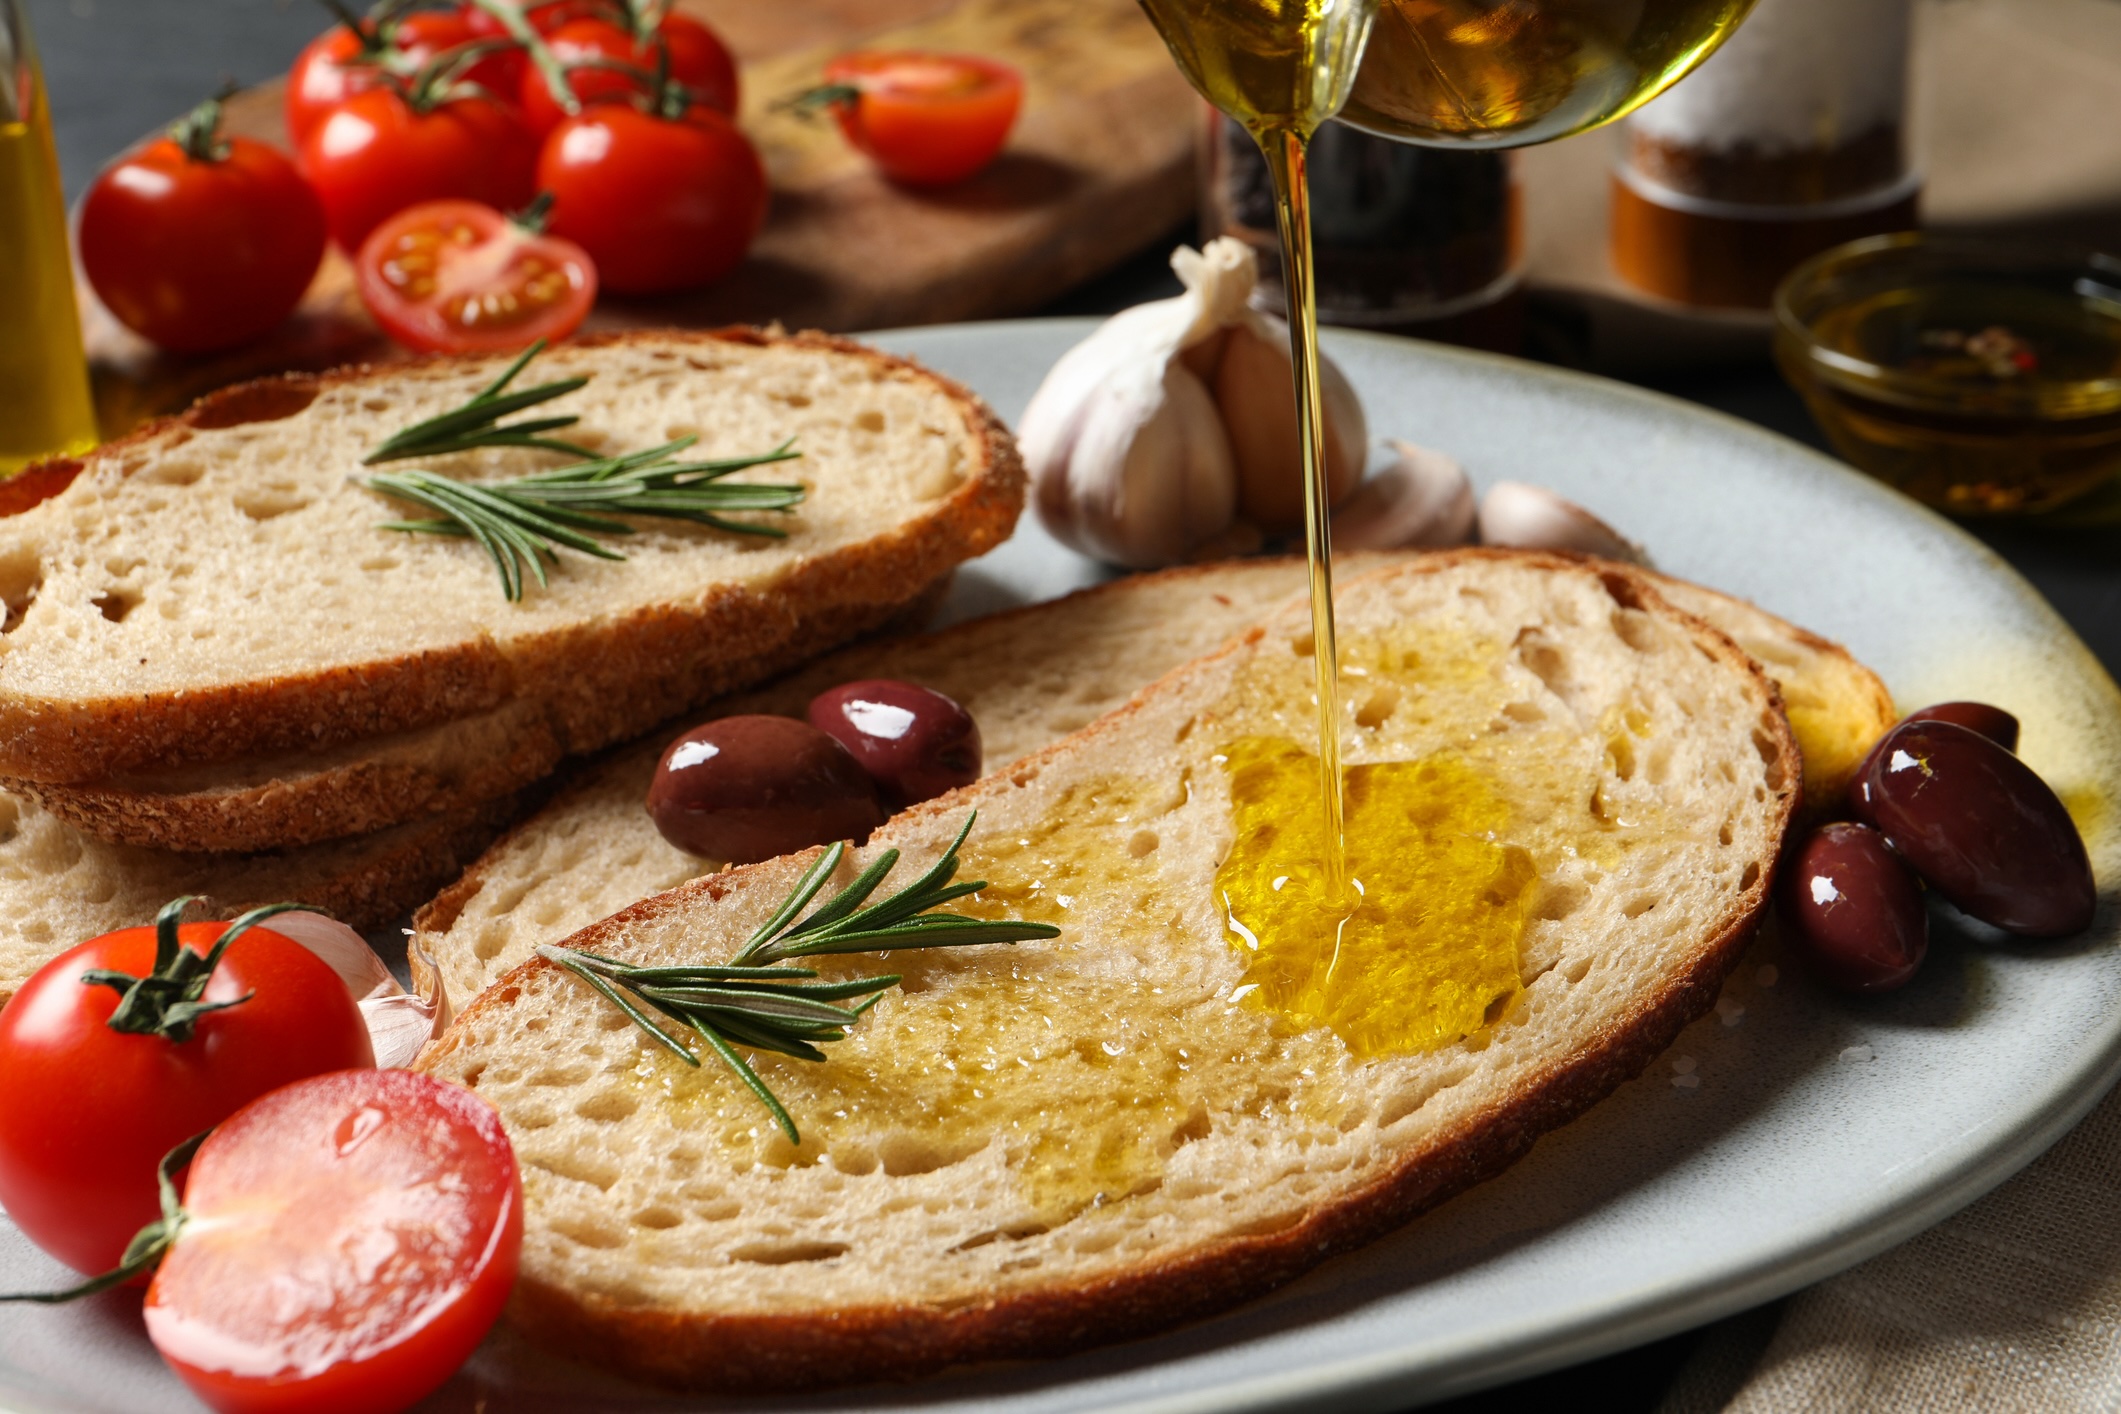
{"x":1407,"y":240}
{"x":1788,"y":140}
{"x":44,"y":398}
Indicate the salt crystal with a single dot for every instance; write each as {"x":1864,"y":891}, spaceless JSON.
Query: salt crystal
{"x":1859,"y":1053}
{"x":1686,"y":1082}
{"x":1730,"y":1011}
{"x":1683,"y":1066}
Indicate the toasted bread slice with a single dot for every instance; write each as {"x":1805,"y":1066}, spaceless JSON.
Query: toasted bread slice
{"x":61,"y":887}
{"x":1027,"y":1149}
{"x":217,"y":587}
{"x":1029,"y":677}
{"x":361,"y":786}
{"x":1837,"y":707}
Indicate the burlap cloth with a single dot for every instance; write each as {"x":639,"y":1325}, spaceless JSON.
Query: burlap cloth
{"x":2012,"y":1307}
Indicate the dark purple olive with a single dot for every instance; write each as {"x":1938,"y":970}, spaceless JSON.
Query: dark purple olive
{"x":748,"y":788}
{"x":1994,"y":723}
{"x":1854,"y":910}
{"x":1976,"y":822}
{"x":916,"y":743}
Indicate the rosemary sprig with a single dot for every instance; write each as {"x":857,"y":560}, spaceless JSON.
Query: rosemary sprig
{"x":518,"y":523}
{"x":755,"y":1000}
{"x":478,"y":423}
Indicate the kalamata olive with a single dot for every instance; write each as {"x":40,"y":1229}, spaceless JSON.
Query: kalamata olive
{"x":916,"y":743}
{"x":1976,"y":822}
{"x":748,"y":788}
{"x":1854,"y":910}
{"x":1994,"y":723}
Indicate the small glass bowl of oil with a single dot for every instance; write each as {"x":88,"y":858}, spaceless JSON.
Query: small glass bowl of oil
{"x":1983,"y":379}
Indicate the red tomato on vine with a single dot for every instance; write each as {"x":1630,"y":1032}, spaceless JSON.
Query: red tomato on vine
{"x":125,"y":1046}
{"x":427,"y":139}
{"x":664,"y":196}
{"x":198,"y":242}
{"x":690,"y":51}
{"x":360,"y":54}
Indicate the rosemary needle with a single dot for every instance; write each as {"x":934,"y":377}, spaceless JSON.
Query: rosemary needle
{"x":478,"y":422}
{"x":518,"y":523}
{"x":756,"y":1000}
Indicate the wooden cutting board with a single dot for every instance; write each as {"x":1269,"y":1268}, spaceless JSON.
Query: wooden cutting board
{"x":1100,"y":164}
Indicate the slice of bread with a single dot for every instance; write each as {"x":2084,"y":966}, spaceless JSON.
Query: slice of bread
{"x":62,"y":887}
{"x":1024,"y":1150}
{"x":361,"y":786}
{"x":216,"y":588}
{"x":1029,"y":677}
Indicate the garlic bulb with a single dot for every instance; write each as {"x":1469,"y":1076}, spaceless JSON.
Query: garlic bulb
{"x":1176,"y":417}
{"x":1419,"y":499}
{"x":1534,"y":518}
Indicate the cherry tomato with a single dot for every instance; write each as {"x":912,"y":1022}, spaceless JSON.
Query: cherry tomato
{"x":340,"y":63}
{"x":197,"y":242}
{"x":458,"y":277}
{"x":659,"y":203}
{"x":350,"y":1240}
{"x":380,"y":152}
{"x":544,"y":18}
{"x":698,"y":60}
{"x":87,"y":1112}
{"x":926,"y":119}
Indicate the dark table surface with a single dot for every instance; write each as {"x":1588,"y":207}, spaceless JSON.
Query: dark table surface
{"x":119,"y":68}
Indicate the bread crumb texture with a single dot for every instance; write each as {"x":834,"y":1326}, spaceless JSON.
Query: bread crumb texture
{"x":1024,"y":1149}
{"x":204,"y":562}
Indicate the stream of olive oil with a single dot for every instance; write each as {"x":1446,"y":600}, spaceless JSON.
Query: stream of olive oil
{"x":1281,"y":68}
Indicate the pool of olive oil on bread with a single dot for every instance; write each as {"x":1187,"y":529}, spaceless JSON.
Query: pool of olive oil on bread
{"x":1026,"y":1149}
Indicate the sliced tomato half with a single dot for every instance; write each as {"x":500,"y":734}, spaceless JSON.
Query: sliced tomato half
{"x":460,"y":277}
{"x":349,"y":1241}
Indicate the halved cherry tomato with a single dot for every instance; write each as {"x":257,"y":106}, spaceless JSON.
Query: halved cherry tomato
{"x":348,"y":1242}
{"x":87,"y":1112}
{"x":198,"y":242}
{"x":925,"y":118}
{"x":660,"y":203}
{"x":698,"y":60}
{"x":459,"y":277}
{"x":382,"y":151}
{"x":342,"y":62}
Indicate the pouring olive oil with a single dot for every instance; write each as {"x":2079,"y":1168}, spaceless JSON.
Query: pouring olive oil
{"x":1446,"y":72}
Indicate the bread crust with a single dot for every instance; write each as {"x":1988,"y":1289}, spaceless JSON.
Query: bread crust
{"x":604,"y":682}
{"x":469,"y":762}
{"x":903,"y":1341}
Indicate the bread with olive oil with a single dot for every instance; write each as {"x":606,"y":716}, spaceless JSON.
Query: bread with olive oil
{"x":1029,"y":676}
{"x":1025,"y":1150}
{"x":216,"y":588}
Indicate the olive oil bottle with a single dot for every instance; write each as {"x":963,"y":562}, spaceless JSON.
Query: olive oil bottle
{"x":45,"y":409}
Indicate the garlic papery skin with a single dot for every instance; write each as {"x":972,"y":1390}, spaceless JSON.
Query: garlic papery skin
{"x":1148,"y":439}
{"x":1148,"y":471}
{"x":1421,"y":499}
{"x":399,"y":1023}
{"x":1534,"y":518}
{"x":1255,"y":388}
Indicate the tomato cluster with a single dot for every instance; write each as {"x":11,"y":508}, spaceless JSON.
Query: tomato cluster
{"x":235,"y":1054}
{"x":416,"y":127}
{"x":414,"y":130}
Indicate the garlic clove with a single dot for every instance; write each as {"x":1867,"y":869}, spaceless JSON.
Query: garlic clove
{"x":1420,"y":499}
{"x":1148,"y":471}
{"x":1255,"y":389}
{"x":399,"y":1023}
{"x":1534,"y":518}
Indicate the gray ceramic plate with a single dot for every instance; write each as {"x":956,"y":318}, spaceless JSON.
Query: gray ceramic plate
{"x":1668,"y":1205}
